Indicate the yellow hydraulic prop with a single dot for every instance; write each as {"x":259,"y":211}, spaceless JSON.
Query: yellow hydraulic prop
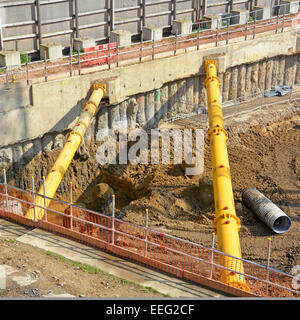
{"x":226,"y":223}
{"x":65,"y":157}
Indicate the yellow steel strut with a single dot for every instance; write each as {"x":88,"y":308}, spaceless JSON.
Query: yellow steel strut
{"x":226,"y":223}
{"x":64,"y":159}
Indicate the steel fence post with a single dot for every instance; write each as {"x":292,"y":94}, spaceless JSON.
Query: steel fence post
{"x":153,"y":47}
{"x":254,"y":27}
{"x":198,"y":36}
{"x":27,"y":70}
{"x":141,"y":48}
{"x":5,"y":184}
{"x":283,"y":20}
{"x":212,"y":255}
{"x":113,"y":220}
{"x":33,"y":197}
{"x":175,"y":49}
{"x":44,"y":190}
{"x":117,"y":55}
{"x":146,"y":233}
{"x":217,"y":33}
{"x":45,"y":68}
{"x":227,"y":33}
{"x":277,"y":20}
{"x":70,"y":58}
{"x":6,"y":74}
{"x":108,"y":54}
{"x":71,"y":207}
{"x":79,"y":64}
{"x":268,"y":264}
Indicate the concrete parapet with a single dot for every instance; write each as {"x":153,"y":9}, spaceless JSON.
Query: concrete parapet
{"x":121,"y":37}
{"x":51,"y":51}
{"x":181,"y":27}
{"x":261,"y":13}
{"x":211,"y":21}
{"x":10,"y":58}
{"x":288,"y":6}
{"x":152,"y":33}
{"x":83,"y":43}
{"x":239,"y":16}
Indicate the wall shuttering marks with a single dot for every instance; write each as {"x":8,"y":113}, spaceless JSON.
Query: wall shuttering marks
{"x":146,"y":110}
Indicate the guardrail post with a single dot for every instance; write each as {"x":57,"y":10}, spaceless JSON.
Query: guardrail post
{"x":45,"y":69}
{"x":153,"y":47}
{"x":117,"y":55}
{"x":33,"y":197}
{"x":268,"y":264}
{"x":146,"y":232}
{"x":70,"y":60}
{"x":175,"y":49}
{"x":212,"y":255}
{"x":113,"y":220}
{"x":44,"y":190}
{"x":79,"y":65}
{"x":5,"y":186}
{"x":71,"y":206}
{"x":277,"y":20}
{"x":27,"y":70}
{"x":108,"y":53}
{"x":246,"y":28}
{"x":198,"y":35}
{"x":227,"y":33}
{"x":217,"y":33}
{"x":283,"y":20}
{"x":254,"y":27}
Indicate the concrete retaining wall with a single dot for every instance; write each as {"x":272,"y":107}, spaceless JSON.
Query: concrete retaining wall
{"x":37,"y":118}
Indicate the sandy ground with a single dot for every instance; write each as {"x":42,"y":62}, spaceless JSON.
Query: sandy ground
{"x":35,"y":273}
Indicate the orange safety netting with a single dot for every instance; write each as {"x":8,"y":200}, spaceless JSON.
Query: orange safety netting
{"x":161,"y":251}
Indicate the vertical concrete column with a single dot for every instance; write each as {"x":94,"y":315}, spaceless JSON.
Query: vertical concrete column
{"x":261,"y":75}
{"x":233,"y":84}
{"x":150,"y":109}
{"x":275,"y":73}
{"x":281,"y":70}
{"x":190,"y":94}
{"x":196,"y":95}
{"x":173,"y":98}
{"x":102,"y":119}
{"x":202,"y":97}
{"x":226,"y":83}
{"x":132,"y":107}
{"x":157,"y":106}
{"x":164,"y":101}
{"x":269,"y":73}
{"x":221,"y":76}
{"x":297,"y":76}
{"x":114,"y":117}
{"x":123,"y":114}
{"x":181,"y":95}
{"x":254,"y":78}
{"x":241,"y":81}
{"x":248,"y":85}
{"x":290,"y":70}
{"x":140,"y":115}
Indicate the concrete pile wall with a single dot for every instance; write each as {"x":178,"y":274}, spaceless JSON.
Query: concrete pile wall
{"x":36,"y":119}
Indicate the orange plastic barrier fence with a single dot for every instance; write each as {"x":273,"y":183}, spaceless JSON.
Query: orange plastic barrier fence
{"x":170,"y":254}
{"x":101,"y":54}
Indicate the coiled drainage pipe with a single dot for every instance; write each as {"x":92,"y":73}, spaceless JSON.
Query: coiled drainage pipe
{"x":266,"y":210}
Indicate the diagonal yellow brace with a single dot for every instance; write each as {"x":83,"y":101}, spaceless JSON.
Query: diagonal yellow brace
{"x":67,"y":154}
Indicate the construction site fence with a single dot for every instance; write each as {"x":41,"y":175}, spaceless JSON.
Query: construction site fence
{"x":107,"y":56}
{"x":141,"y":244}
